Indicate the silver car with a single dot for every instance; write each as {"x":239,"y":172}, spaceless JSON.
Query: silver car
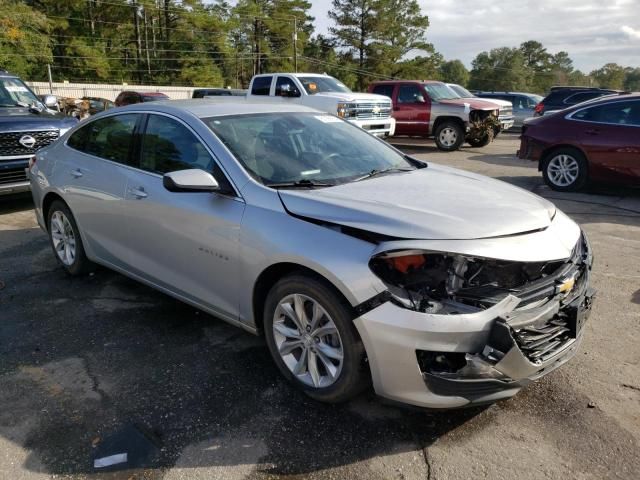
{"x":357,"y":263}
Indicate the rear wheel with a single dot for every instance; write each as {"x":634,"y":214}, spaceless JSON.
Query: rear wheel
{"x":565,"y":170}
{"x":312,"y":339}
{"x":449,"y":136}
{"x":65,"y":240}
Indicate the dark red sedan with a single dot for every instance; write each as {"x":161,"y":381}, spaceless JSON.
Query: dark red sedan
{"x":595,"y":141}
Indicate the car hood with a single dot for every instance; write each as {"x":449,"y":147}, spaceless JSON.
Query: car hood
{"x":18,"y":118}
{"x":432,"y":203}
{"x":354,"y":97}
{"x":475,"y":103}
{"x":497,"y":101}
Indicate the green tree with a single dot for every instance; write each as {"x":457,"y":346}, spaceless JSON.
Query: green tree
{"x":454,"y":71}
{"x":500,"y":69}
{"x":538,"y":61}
{"x":632,"y":79}
{"x":561,"y":67}
{"x":610,"y":75}
{"x":355,"y":27}
{"x":25,"y":47}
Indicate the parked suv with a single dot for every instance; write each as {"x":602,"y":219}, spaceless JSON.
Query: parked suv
{"x":131,"y":97}
{"x":26,"y":125}
{"x":431,"y":108}
{"x":560,"y":98}
{"x":524,"y":104}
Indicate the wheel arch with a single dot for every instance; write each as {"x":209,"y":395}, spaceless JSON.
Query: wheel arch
{"x":272,"y":274}
{"x":446,"y":118}
{"x":47,"y":201}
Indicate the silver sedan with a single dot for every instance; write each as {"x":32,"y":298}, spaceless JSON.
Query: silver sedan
{"x":359,"y":265}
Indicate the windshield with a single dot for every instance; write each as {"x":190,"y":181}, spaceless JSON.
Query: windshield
{"x":322,"y":84}
{"x":281,"y":148}
{"x":440,"y":91}
{"x":461,"y":91}
{"x":13,"y":92}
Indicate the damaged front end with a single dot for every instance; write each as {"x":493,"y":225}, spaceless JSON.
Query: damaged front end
{"x":491,"y":326}
{"x":484,"y":125}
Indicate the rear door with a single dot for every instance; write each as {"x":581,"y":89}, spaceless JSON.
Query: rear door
{"x":94,"y":177}
{"x":411,"y":109}
{"x":185,"y":242}
{"x":611,"y":137}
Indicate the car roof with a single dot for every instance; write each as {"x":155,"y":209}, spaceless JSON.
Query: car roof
{"x":485,"y":92}
{"x":614,"y":97}
{"x":210,"y":107}
{"x":142,"y":92}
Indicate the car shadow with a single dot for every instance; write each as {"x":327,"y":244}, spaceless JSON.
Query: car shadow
{"x":96,"y":365}
{"x":15,"y":203}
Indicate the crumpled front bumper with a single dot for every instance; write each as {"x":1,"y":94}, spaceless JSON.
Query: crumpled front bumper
{"x":499,"y":350}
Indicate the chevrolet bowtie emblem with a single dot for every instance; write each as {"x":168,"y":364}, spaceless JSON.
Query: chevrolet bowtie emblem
{"x":566,"y":285}
{"x":376,"y":109}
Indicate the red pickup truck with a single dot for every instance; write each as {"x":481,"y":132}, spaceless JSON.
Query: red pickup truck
{"x":431,"y":108}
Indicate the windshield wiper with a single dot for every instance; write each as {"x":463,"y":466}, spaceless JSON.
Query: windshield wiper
{"x":306,"y":183}
{"x":376,"y":172}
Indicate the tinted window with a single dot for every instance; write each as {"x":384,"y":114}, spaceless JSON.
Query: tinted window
{"x":261,"y":86}
{"x":618,"y":113}
{"x":581,"y":97}
{"x":168,"y":145}
{"x":284,"y":81}
{"x":410,"y":94}
{"x":386,"y":90}
{"x":109,"y":138}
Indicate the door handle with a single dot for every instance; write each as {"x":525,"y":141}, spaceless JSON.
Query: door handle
{"x":77,"y":173}
{"x":592,"y":131}
{"x":139,"y":192}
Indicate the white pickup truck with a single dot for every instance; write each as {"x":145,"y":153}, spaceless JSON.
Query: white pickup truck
{"x":370,"y":112}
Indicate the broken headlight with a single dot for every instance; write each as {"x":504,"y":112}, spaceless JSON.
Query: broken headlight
{"x":447,"y":283}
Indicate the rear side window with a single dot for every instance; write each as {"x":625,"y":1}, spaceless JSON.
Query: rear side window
{"x":261,"y":86}
{"x":167,"y":146}
{"x":110,"y":138}
{"x":617,"y":113}
{"x":410,"y":94}
{"x":386,"y":90}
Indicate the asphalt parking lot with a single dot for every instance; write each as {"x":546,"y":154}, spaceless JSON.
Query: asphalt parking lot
{"x":99,"y":365}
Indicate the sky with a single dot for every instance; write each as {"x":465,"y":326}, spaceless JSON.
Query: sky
{"x":593,"y":32}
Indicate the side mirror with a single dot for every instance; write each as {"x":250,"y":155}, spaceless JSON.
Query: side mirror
{"x":420,"y":99}
{"x":287,"y":90}
{"x":192,"y":180}
{"x":50,"y":101}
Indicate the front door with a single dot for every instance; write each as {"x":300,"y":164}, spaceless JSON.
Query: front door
{"x":411,"y":110}
{"x":185,"y":242}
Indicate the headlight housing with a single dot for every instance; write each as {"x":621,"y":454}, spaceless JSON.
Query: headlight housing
{"x":346,"y":110}
{"x":441,"y":282}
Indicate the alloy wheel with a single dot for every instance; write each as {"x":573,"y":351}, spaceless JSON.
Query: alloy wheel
{"x":308,"y":341}
{"x":63,"y":238}
{"x":563,"y":170}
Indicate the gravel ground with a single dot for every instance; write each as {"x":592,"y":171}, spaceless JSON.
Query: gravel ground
{"x":99,"y":365}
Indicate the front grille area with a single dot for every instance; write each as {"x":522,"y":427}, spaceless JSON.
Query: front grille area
{"x":541,"y":343}
{"x":10,"y":142}
{"x":12,"y":175}
{"x":506,"y":112}
{"x":364,"y":111}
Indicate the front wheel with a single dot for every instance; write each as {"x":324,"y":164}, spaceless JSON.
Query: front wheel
{"x":449,"y":136}
{"x":565,"y":170}
{"x":312,"y":339}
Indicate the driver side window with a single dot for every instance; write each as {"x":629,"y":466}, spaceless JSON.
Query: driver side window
{"x":410,"y":94}
{"x":167,"y":146}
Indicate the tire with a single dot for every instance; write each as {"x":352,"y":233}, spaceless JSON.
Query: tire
{"x":305,"y":353}
{"x":65,"y":240}
{"x":565,"y":170}
{"x":475,"y":143}
{"x":449,"y":136}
